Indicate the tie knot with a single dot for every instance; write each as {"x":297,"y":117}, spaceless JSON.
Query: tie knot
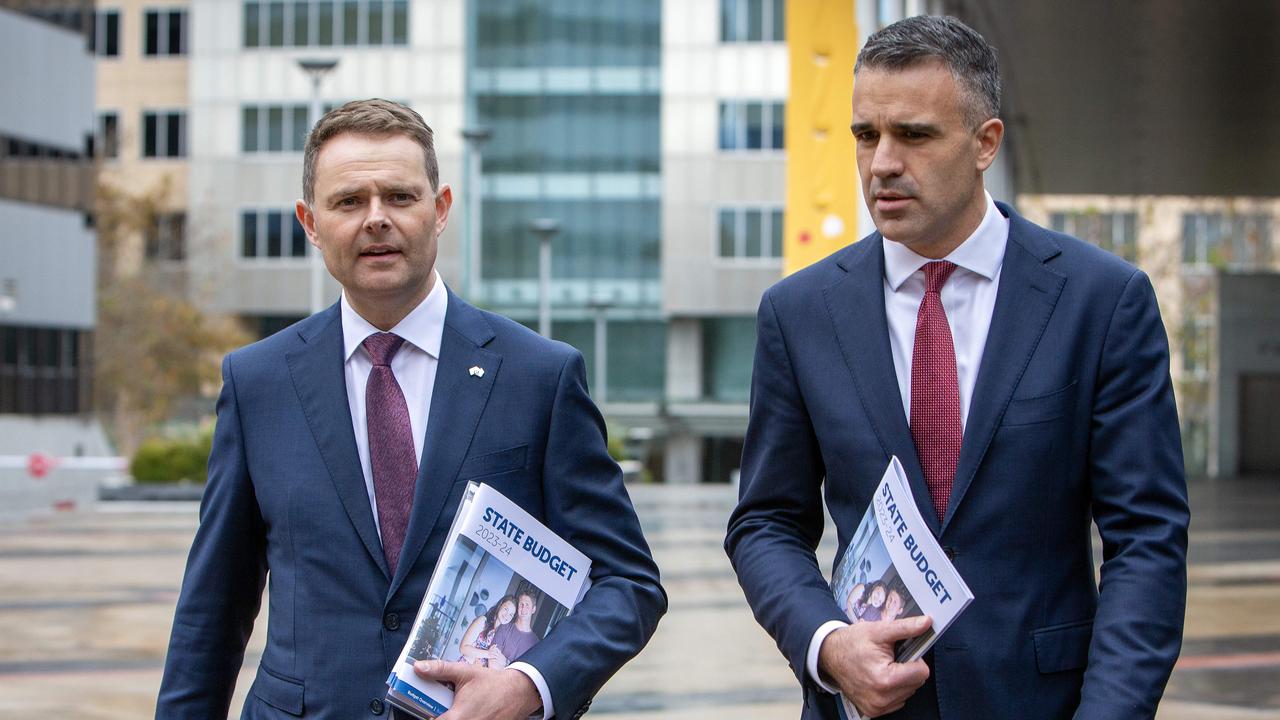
{"x":936,"y":274}
{"x":382,"y":347}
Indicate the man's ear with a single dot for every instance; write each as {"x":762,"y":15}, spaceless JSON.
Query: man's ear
{"x":444,"y":201}
{"x":990,"y":135}
{"x":307,"y":219}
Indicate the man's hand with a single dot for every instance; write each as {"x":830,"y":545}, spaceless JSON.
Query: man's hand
{"x":858,"y":659}
{"x":483,"y":693}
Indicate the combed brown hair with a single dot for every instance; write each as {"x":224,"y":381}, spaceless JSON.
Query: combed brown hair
{"x":368,"y":117}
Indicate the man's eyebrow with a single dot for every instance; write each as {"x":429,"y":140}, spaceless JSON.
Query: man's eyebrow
{"x":343,"y":192}
{"x":922,"y":128}
{"x":859,"y":127}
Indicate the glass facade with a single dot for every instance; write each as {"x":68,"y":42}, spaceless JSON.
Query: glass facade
{"x":1114,"y":232}
{"x":750,"y":233}
{"x":571,"y":92}
{"x":271,"y":234}
{"x":728,"y":348}
{"x":753,"y":21}
{"x":44,"y":370}
{"x":273,"y":128}
{"x":324,"y":23}
{"x":1237,"y":242}
{"x":752,"y":125}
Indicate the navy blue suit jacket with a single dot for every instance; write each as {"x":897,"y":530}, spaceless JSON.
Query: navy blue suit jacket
{"x":286,"y":503}
{"x":1072,"y":420}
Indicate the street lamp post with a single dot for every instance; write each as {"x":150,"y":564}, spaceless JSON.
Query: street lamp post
{"x":600,"y":308}
{"x":316,"y":69}
{"x":545,"y":229}
{"x":475,"y":138}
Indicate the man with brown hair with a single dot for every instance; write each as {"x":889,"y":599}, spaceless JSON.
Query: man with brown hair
{"x":342,"y":448}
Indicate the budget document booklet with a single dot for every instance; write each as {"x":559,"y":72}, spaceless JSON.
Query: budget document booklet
{"x":894,"y":568}
{"x":502,"y":583}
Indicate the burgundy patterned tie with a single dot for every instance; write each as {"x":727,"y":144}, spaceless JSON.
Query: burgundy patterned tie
{"x":391,"y":453}
{"x":935,"y":390}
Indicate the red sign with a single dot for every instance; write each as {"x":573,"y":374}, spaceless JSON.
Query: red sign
{"x":39,"y":465}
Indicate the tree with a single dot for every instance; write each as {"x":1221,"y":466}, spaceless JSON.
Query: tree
{"x":153,"y":347}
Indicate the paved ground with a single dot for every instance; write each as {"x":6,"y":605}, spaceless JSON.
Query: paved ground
{"x":86,"y":599}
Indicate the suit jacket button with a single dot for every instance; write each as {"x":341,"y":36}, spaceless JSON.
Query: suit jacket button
{"x":950,"y":552}
{"x":391,"y":621}
{"x":376,"y":707}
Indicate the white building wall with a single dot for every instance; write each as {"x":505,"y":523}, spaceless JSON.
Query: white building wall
{"x":428,"y":74}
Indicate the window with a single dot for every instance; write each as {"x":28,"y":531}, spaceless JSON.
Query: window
{"x":164,"y":32}
{"x":43,"y":370}
{"x":752,"y":125}
{"x":750,"y":233}
{"x":1114,"y":232}
{"x":166,"y":238}
{"x":273,"y":128}
{"x":324,"y":23}
{"x":164,"y":134}
{"x":271,"y":234}
{"x":1239,"y":242}
{"x":106,"y":34}
{"x":728,"y":345}
{"x":108,"y":137}
{"x":753,"y":21}
{"x":1197,"y":346}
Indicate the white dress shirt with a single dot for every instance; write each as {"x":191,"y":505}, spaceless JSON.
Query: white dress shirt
{"x":414,"y":366}
{"x":968,"y":299}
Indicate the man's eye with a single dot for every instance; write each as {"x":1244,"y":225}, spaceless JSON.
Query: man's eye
{"x":348,"y":202}
{"x":401,"y":197}
{"x":866,"y":137}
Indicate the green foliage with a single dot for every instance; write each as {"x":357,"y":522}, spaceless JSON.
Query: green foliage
{"x":168,"y":460}
{"x":617,"y":447}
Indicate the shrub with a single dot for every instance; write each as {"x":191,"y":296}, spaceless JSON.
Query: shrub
{"x":167,"y":460}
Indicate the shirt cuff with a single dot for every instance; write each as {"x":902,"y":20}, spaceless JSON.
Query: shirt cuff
{"x":811,"y":662}
{"x":548,"y":709}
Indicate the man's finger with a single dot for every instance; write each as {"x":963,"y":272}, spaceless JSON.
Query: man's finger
{"x":895,"y":630}
{"x":452,"y":672}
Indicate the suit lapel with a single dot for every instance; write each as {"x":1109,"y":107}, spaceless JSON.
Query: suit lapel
{"x":319,"y":380}
{"x":457,"y":400}
{"x":856,"y":304}
{"x":1028,"y":292}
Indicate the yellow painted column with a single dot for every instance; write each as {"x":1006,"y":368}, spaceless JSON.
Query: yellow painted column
{"x":822,"y":175}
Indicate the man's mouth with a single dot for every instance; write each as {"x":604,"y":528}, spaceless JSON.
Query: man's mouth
{"x":379,"y":251}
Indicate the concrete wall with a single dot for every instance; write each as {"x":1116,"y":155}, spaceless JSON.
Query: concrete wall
{"x":698,"y":179}
{"x":49,"y":257}
{"x":48,"y":82}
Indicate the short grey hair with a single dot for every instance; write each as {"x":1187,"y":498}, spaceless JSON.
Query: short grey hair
{"x":970,"y":58}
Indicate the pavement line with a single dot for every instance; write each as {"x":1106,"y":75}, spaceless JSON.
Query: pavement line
{"x":1228,"y":662}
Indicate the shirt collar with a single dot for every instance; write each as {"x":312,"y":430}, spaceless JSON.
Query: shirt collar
{"x":981,"y":253}
{"x":423,"y":327}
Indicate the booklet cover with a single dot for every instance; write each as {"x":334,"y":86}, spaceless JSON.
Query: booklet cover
{"x":502,"y":583}
{"x":894,"y":568}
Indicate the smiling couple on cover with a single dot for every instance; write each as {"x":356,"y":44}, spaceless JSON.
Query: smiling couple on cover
{"x":1019,"y":374}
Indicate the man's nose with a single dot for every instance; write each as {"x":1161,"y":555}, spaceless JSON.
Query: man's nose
{"x":886,"y":162}
{"x":376,"y":221}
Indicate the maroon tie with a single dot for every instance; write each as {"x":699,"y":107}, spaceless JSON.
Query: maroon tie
{"x":935,"y":391}
{"x":391,"y":453}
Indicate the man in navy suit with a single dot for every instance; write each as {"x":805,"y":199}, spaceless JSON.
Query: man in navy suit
{"x":1022,"y":378}
{"x":315,"y":482}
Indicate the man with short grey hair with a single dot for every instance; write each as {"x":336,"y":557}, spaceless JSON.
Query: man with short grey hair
{"x":1022,"y":378}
